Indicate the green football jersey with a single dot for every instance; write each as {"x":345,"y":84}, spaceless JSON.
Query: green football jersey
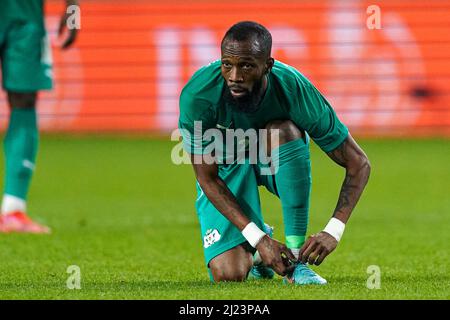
{"x":289,"y":96}
{"x":21,"y":10}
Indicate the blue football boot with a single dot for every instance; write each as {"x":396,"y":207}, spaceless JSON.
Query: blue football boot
{"x":303,"y":275}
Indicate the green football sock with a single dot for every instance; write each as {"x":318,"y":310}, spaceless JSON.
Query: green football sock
{"x":293,"y":182}
{"x":20,"y":146}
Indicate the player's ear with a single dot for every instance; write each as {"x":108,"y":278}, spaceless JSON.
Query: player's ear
{"x":269,"y":64}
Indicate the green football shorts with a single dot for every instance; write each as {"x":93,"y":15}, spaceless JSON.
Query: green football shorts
{"x":218,"y":233}
{"x":25,"y":57}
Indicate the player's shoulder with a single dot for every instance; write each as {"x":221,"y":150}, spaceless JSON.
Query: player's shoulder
{"x":205,"y":84}
{"x":288,"y":76}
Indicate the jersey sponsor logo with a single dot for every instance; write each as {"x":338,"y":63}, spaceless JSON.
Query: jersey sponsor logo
{"x":211,"y":237}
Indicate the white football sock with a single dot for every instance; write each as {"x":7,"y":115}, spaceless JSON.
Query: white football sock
{"x":12,"y":204}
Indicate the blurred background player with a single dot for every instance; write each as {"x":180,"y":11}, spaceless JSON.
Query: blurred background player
{"x":26,"y":69}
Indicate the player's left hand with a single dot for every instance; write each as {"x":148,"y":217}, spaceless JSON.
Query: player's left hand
{"x":317,"y":247}
{"x":71,"y":32}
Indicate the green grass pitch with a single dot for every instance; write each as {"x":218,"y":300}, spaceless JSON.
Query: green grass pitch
{"x":123,"y":213}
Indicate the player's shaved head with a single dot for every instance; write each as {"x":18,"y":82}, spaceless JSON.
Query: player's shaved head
{"x":246,"y":62}
{"x":253,"y":33}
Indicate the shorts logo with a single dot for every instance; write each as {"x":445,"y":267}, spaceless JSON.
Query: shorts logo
{"x":211,"y":237}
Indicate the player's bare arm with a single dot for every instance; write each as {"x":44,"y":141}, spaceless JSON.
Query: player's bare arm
{"x":350,"y":156}
{"x":272,"y":252}
{"x":71,"y":32}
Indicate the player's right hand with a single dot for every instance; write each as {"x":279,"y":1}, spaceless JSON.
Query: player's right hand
{"x":276,"y":255}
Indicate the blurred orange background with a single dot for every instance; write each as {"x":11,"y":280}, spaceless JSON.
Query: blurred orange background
{"x":132,"y":59}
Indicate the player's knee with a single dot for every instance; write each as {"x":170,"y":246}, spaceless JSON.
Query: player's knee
{"x":235,"y":274}
{"x":22,"y":99}
{"x":283,"y":131}
{"x":231,"y":267}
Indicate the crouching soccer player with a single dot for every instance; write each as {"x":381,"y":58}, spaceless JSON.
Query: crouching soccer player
{"x":26,"y":69}
{"x":247,"y":89}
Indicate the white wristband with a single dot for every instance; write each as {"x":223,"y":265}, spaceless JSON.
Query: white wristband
{"x":335,"y":227}
{"x":253,"y":234}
